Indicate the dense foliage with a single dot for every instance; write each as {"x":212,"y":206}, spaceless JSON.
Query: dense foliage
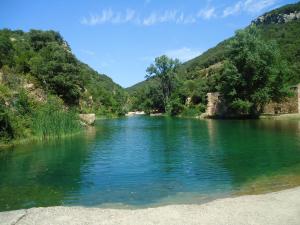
{"x":254,"y":73}
{"x":164,"y":69}
{"x":37,"y":67}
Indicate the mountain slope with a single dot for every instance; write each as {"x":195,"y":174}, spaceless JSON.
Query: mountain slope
{"x":281,"y":25}
{"x":41,"y":78}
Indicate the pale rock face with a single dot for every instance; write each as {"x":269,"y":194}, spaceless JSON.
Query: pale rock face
{"x":88,"y":119}
{"x":29,"y":87}
{"x":188,"y":101}
{"x":213,"y":102}
{"x":280,"y":18}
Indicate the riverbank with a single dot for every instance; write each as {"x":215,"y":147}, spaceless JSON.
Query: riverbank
{"x":273,"y":209}
{"x":295,"y":116}
{"x":34,"y":138}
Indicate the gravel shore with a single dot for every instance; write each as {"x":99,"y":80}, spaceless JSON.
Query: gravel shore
{"x":278,"y":208}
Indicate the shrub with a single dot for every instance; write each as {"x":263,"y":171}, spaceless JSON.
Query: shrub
{"x":6,"y":129}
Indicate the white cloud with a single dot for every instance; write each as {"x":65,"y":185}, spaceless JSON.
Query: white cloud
{"x":175,"y":16}
{"x":155,"y":17}
{"x":109,"y":16}
{"x":183,"y":54}
{"x":249,"y":6}
{"x":207,"y":13}
{"x":232,"y":9}
{"x":168,"y":16}
{"x":257,"y":6}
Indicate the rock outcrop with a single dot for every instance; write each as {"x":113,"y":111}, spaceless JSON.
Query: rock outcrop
{"x":88,"y":119}
{"x":277,"y":18}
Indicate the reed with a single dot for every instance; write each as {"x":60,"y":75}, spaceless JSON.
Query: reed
{"x":52,"y":121}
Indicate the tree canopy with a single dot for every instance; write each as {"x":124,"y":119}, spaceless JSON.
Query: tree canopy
{"x":164,"y":69}
{"x":254,"y":73}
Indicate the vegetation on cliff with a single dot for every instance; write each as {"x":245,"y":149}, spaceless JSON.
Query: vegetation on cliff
{"x":43,"y":87}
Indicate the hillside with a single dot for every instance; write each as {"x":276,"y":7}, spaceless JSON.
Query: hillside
{"x":41,"y":78}
{"x":281,"y":25}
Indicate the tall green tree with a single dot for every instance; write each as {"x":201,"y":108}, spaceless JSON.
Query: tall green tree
{"x":164,"y":69}
{"x":254,"y":74}
{"x":58,"y":71}
{"x":6,"y":50}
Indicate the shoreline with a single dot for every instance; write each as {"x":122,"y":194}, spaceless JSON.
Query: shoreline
{"x":274,"y":208}
{"x":32,"y":139}
{"x":36,"y":139}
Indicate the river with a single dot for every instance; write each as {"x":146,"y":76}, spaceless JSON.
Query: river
{"x":144,"y":161}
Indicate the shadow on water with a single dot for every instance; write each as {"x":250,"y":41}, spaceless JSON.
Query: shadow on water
{"x":42,"y":174}
{"x":143,"y":161}
{"x":263,"y":155}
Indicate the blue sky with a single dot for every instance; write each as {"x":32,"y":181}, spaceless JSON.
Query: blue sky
{"x":121,"y":38}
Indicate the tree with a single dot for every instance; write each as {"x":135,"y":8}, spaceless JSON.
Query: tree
{"x":6,"y":129}
{"x":164,"y":69}
{"x":6,"y":50}
{"x":254,"y":73}
{"x":195,"y":89}
{"x":39,"y":39}
{"x":57,"y":70}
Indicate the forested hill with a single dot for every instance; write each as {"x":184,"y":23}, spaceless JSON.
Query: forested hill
{"x":281,"y":25}
{"x":38,"y":74}
{"x":45,"y":59}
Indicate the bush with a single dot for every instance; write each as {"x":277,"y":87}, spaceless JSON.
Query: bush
{"x":6,"y":129}
{"x":193,"y":111}
{"x":175,"y":107}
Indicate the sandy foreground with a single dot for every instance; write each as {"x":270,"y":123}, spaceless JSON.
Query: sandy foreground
{"x":282,"y":208}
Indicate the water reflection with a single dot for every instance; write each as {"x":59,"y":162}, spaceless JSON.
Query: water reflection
{"x":41,"y":174}
{"x":255,"y":148}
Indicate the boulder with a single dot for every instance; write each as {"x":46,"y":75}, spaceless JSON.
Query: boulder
{"x":88,"y":119}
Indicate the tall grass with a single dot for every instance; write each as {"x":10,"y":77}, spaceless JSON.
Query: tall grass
{"x":53,"y":121}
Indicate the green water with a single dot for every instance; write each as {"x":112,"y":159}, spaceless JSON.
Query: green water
{"x":144,"y":161}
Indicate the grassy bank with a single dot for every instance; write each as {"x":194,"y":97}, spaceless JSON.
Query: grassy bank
{"x":26,"y":120}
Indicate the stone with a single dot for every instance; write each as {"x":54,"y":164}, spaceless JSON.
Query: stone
{"x":136,"y":113}
{"x":29,"y":86}
{"x":212,"y":104}
{"x":88,"y":119}
{"x":188,"y":101}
